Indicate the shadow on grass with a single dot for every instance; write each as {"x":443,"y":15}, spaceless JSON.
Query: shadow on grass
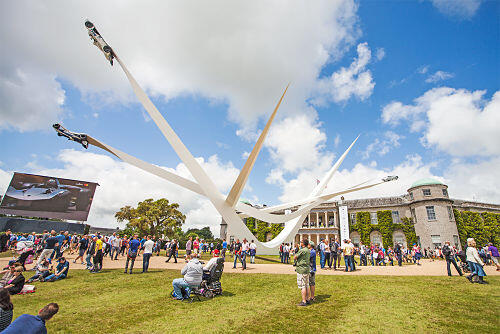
{"x":267,"y":259}
{"x":318,"y":299}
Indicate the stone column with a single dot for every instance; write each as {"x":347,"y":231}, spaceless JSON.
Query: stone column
{"x":317,"y":219}
{"x":326,"y":218}
{"x":309,"y":220}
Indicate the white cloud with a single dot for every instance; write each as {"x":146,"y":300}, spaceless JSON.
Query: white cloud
{"x":122,"y":184}
{"x":456,"y":121}
{"x":382,"y":146}
{"x":380,"y":54}
{"x":353,"y":81}
{"x":29,"y":100}
{"x":295,"y":143}
{"x":461,"y":9}
{"x":439,"y":76}
{"x":483,"y":184}
{"x":336,"y":141}
{"x":423,"y":69}
{"x":235,"y":52}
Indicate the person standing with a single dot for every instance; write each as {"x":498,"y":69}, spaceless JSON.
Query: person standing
{"x":245,"y":247}
{"x":31,"y":324}
{"x":348,"y":252}
{"x":362,"y":255}
{"x":334,"y":249}
{"x":50,"y":244}
{"x":82,"y":247}
{"x":123,"y":243}
{"x":148,"y":252}
{"x":196,"y":245}
{"x":172,"y":251}
{"x":224,"y":248}
{"x":90,"y":253}
{"x":286,"y":253}
{"x":495,"y":256}
{"x":253,"y":251}
{"x":474,"y":261}
{"x":132,"y":249}
{"x":237,"y":252}
{"x":98,"y":255}
{"x":449,"y":255}
{"x":399,"y":256}
{"x":302,"y":260}
{"x":327,"y":255}
{"x":322,"y":253}
{"x":189,"y":247}
{"x":281,"y":252}
{"x":312,"y":272}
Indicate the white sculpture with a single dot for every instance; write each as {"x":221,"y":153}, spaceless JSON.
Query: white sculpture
{"x":229,"y":207}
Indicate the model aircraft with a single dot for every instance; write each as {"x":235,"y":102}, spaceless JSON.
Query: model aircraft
{"x":389,"y":178}
{"x":78,"y":137}
{"x":96,"y":37}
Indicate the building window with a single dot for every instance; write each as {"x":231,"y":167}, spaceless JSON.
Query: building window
{"x":436,"y":240}
{"x":455,"y":240}
{"x":373,"y":218}
{"x":431,"y":214}
{"x":395,"y":217}
{"x":450,"y":213}
{"x":411,"y":196}
{"x":353,"y":218}
{"x":445,"y":193}
{"x":427,"y":192}
{"x":331,"y":220}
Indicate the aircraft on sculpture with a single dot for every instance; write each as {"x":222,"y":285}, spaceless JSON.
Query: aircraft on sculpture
{"x":229,"y":207}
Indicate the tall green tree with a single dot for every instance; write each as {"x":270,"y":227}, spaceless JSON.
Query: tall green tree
{"x":152,"y":217}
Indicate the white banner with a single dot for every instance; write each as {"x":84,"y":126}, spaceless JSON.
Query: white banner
{"x":344,"y":224}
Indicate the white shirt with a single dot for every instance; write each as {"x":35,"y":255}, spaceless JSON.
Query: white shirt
{"x":148,"y":246}
{"x":253,"y":246}
{"x":473,"y":255}
{"x":245,"y":246}
{"x":210,"y":264}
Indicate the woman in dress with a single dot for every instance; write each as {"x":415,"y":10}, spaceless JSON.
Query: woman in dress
{"x":474,"y":261}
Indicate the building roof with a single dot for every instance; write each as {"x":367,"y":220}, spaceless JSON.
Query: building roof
{"x":425,"y":182}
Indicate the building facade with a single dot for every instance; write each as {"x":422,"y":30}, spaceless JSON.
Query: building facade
{"x":426,"y":202}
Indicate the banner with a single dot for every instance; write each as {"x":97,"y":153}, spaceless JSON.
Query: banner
{"x":40,"y":196}
{"x":344,"y":224}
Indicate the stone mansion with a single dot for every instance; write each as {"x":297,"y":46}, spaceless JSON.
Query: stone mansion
{"x":427,"y":202}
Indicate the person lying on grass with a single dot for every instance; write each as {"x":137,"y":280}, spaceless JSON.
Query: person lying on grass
{"x":61,"y":271}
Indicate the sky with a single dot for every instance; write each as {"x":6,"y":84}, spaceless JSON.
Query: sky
{"x":417,"y":80}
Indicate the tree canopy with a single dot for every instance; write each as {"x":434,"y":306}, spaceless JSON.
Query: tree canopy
{"x":158,"y":218}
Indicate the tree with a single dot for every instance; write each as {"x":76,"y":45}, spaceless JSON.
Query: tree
{"x":151,"y":217}
{"x":203,"y":234}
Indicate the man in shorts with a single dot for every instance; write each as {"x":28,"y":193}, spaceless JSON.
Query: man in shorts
{"x":302,"y":267}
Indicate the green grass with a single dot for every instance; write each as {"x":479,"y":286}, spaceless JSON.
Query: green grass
{"x":112,"y":302}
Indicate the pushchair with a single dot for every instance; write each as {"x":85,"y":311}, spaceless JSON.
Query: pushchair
{"x":463,"y":261}
{"x":210,"y":285}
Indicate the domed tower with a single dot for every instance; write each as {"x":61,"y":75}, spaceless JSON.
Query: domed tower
{"x":432,"y":213}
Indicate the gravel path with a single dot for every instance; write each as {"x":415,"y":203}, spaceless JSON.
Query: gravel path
{"x":428,"y":268}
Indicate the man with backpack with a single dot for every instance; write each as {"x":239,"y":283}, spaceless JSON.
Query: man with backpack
{"x":173,"y":251}
{"x":449,"y":254}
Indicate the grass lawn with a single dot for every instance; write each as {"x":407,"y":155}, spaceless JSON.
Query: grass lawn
{"x":112,"y":302}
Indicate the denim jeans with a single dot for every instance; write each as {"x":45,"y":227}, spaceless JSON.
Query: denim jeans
{"x":448,"y":262}
{"x":178,"y":284}
{"x":88,"y":260}
{"x":53,"y":276}
{"x":346,"y":260}
{"x":351,"y":262}
{"x":244,"y":259}
{"x":145,"y":261}
{"x":236,"y":257}
{"x":115,"y":250}
{"x":322,"y":259}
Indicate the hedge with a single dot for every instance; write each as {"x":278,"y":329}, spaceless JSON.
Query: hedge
{"x":262,"y":228}
{"x":484,"y":227}
{"x":385,"y":226}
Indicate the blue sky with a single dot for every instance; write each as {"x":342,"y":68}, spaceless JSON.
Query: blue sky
{"x":417,"y":80}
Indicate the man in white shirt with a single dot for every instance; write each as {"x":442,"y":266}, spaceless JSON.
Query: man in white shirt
{"x":115,"y":246}
{"x":245,"y":247}
{"x":322,"y":246}
{"x":253,"y":251}
{"x":148,"y":251}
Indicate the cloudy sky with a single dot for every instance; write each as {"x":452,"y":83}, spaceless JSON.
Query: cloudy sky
{"x":419,"y":80}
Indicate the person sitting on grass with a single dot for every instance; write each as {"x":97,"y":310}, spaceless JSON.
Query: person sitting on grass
{"x":62,"y":270}
{"x":193,"y":273}
{"x":31,"y":324}
{"x":6,"y":308}
{"x":302,"y":267}
{"x":16,"y":284}
{"x":42,"y":271}
{"x":8,"y":274}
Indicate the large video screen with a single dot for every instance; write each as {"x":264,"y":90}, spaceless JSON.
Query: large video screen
{"x":48,"y":197}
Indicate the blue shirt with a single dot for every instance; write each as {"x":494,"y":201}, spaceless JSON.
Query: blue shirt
{"x":134,"y":245}
{"x":60,"y":239}
{"x":312,"y":260}
{"x":61,"y":266}
{"x":51,"y":242}
{"x":26,"y":324}
{"x":224,"y":244}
